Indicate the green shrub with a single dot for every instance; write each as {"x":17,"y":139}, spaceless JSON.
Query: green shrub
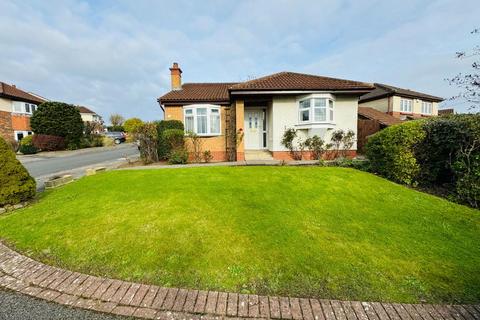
{"x":392,"y":152}
{"x":174,"y":138}
{"x":164,"y":148}
{"x":132,"y":125}
{"x":59,"y":119}
{"x":317,"y":146}
{"x":148,"y":142}
{"x":16,"y":183}
{"x":207,"y":156}
{"x":47,"y":142}
{"x":178,"y":156}
{"x":26,"y":146}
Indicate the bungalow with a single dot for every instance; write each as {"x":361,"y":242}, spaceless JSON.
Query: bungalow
{"x":89,"y":115}
{"x":403,"y":104}
{"x":246,"y":120}
{"x":16,"y":108}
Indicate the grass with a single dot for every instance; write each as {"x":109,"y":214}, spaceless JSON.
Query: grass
{"x":302,"y":231}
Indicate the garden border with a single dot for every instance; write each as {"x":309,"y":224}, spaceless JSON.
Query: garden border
{"x":28,"y":276}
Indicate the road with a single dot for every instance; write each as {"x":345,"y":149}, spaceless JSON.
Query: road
{"x":16,"y":306}
{"x":45,"y":165}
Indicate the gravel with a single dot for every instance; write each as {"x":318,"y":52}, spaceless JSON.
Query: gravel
{"x":15,"y":306}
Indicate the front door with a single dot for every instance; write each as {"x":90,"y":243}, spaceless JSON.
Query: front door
{"x":254,"y":129}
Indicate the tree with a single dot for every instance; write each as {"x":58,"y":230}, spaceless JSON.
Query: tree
{"x":469,"y":83}
{"x":116,"y":120}
{"x":132,"y":125}
{"x":59,"y":119}
{"x":16,"y":183}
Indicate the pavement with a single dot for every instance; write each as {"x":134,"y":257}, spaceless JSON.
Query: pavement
{"x":16,"y":306}
{"x":44,"y":165}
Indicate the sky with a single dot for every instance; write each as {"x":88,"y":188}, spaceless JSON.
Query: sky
{"x":113,"y":56}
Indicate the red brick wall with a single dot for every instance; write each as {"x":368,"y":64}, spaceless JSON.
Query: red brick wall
{"x":6,"y":130}
{"x":21,"y":122}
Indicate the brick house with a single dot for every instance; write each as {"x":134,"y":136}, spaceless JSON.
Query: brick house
{"x":16,"y":108}
{"x":246,"y":120}
{"x":401,"y":103}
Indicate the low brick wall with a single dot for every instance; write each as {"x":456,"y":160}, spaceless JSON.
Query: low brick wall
{"x":307,"y":155}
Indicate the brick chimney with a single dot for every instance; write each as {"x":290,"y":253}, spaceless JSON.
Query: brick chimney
{"x":176,"y":76}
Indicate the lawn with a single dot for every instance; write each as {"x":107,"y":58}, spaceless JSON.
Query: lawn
{"x":303,"y":231}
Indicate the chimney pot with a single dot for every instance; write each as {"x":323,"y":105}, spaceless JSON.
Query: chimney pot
{"x":176,"y":76}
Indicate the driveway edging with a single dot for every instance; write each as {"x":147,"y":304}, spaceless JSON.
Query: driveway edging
{"x":28,"y":276}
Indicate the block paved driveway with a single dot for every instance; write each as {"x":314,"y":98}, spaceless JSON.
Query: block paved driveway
{"x":25,"y":275}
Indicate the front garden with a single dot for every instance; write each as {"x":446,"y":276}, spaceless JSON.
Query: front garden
{"x":301,"y":231}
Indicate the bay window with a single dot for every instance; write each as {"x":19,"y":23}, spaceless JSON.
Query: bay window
{"x":426,"y":107}
{"x":316,"y":110}
{"x":23,"y":107}
{"x":405,"y":105}
{"x":203,"y":120}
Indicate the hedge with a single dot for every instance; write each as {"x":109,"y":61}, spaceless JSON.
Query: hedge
{"x":47,"y":142}
{"x":26,"y":145}
{"x":164,"y":149}
{"x":16,"y":183}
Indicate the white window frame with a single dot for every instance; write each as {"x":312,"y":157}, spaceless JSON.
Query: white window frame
{"x":209,"y":107}
{"x":25,"y":133}
{"x":329,"y":109}
{"x":23,"y":107}
{"x":427,"y":107}
{"x":406,"y":102}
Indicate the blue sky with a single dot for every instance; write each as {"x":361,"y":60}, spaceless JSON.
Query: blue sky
{"x":113,"y":56}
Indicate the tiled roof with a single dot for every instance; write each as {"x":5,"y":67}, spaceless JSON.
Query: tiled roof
{"x":300,"y":81}
{"x":381,"y":117}
{"x":85,"y":110}
{"x":198,"y":92}
{"x":13,"y":92}
{"x":383,"y":90}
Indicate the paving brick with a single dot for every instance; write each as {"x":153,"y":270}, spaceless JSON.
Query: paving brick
{"x":222,"y":301}
{"x":50,"y":278}
{"x":180,"y":300}
{"x":201,"y":302}
{"x":391,"y":311}
{"x":379,"y":310}
{"x":401,"y":311}
{"x":112,"y":289}
{"x":120,"y":293}
{"x":138,"y":298}
{"x":170,"y":299}
{"x":454,"y":313}
{"x":103,"y":306}
{"x":348,"y":310}
{"x":264,"y":307}
{"x":306,"y":309}
{"x":43,"y":274}
{"x":285,"y":311}
{"x":49,"y":295}
{"x":317,"y":309}
{"x":189,"y":305}
{"x":159,"y":298}
{"x":66,"y":299}
{"x":68,"y":281}
{"x":85,"y":303}
{"x":296,"y":309}
{"x":412,"y":312}
{"x":243,"y":305}
{"x":127,"y":298}
{"x":327,"y":310}
{"x":22,"y":268}
{"x":360,"y":311}
{"x":232,"y":304}
{"x":211,"y":305}
{"x":253,"y":306}
{"x":145,"y":313}
{"x":338,"y":310}
{"x":59,"y":281}
{"x":73,"y":288}
{"x":460,"y":309}
{"x":474,"y":312}
{"x":101,"y":289}
{"x":126,"y":311}
{"x":274,"y":303}
{"x":27,"y":276}
{"x":88,"y":292}
{"x":148,"y":299}
{"x":31,"y":291}
{"x":85,"y":285}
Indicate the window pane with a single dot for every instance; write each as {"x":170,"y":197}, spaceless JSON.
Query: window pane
{"x":214,"y":121}
{"x":201,"y":111}
{"x":188,"y":111}
{"x":27,"y":108}
{"x":320,"y":102}
{"x":189,"y":127}
{"x":320,"y":114}
{"x":305,"y":104}
{"x":201,"y":123}
{"x":304,"y":115}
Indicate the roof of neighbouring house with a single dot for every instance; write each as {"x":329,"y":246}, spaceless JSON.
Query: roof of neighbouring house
{"x":85,"y":110}
{"x":381,"y":117}
{"x":285,"y":81}
{"x":12,"y":92}
{"x":383,"y":91}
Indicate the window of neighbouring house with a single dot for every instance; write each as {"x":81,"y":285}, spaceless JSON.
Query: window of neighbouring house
{"x":427,"y":107}
{"x":202,"y":119}
{"x":406,"y":105}
{"x":316,"y":110}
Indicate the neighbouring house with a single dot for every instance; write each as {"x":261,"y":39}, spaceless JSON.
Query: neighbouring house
{"x":371,"y":120}
{"x":446,"y":111}
{"x":89,"y":115}
{"x":401,"y":103}
{"x":247,"y":120}
{"x":16,"y":108}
